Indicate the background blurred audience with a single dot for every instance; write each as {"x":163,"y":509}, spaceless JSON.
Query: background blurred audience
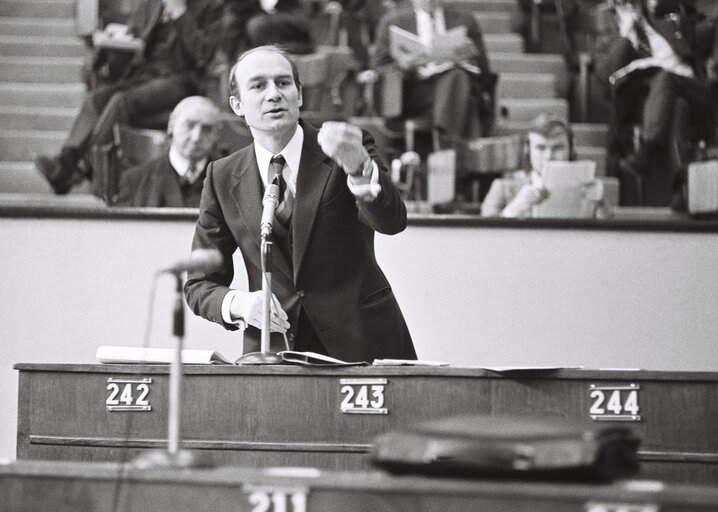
{"x":179,"y":43}
{"x":451,"y":92}
{"x":658,"y":53}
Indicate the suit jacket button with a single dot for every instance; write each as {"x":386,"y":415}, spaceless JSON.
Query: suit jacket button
{"x":300,"y":294}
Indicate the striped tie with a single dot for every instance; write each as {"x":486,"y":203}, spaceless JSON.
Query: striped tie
{"x":283,"y":213}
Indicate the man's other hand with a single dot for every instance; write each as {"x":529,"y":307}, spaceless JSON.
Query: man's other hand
{"x":249,"y":307}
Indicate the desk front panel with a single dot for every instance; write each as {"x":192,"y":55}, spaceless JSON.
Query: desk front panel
{"x":71,"y":486}
{"x":328,"y":418}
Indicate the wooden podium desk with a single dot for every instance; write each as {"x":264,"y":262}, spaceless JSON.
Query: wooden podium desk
{"x":327,"y":417}
{"x":61,"y":486}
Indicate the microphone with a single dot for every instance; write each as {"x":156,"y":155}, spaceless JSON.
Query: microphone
{"x":269,"y":203}
{"x":200,"y":260}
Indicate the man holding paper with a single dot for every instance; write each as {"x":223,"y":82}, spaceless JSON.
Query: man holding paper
{"x":549,"y":140}
{"x":441,"y":53}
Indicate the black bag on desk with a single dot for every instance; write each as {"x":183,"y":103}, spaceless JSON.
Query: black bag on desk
{"x":510,"y":447}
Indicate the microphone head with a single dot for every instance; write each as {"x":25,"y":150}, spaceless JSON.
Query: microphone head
{"x":205,"y":259}
{"x":200,"y":260}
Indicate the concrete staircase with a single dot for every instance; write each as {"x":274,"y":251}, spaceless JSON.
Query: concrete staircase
{"x":40,"y":90}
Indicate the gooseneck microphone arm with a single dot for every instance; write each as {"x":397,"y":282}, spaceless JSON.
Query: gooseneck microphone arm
{"x":200,"y":260}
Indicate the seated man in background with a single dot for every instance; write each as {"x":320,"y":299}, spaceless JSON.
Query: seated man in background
{"x":450,"y":91}
{"x":179,"y":44}
{"x":175,"y":179}
{"x":282,"y":22}
{"x":665,"y":43}
{"x":549,"y":137}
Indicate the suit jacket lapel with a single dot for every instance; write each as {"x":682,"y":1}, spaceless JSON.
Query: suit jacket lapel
{"x":246,"y":190}
{"x":314,"y":171}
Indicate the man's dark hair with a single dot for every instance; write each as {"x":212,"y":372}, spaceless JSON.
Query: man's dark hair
{"x":234,"y":86}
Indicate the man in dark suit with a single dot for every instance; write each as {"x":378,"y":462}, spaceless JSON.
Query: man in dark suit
{"x":259,"y":22}
{"x":175,"y":179}
{"x":335,"y":193}
{"x":179,"y":41}
{"x":663,"y":44}
{"x":452,"y":92}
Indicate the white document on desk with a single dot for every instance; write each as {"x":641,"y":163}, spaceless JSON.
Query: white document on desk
{"x":565,"y":182}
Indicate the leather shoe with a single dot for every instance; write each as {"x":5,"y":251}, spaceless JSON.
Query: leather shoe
{"x":60,"y":179}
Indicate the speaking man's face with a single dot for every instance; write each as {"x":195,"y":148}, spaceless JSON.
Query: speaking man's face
{"x":269,"y":99}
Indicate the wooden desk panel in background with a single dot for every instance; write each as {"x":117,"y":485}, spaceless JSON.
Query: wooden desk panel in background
{"x":29,"y":486}
{"x":287,"y":415}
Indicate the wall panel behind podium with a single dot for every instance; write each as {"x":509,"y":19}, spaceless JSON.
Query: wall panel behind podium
{"x":471,"y":296}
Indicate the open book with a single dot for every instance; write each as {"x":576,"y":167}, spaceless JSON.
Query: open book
{"x":123,"y":355}
{"x":450,"y":46}
{"x":565,"y":182}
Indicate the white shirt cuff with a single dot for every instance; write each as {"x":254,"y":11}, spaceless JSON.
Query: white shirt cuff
{"x":226,"y":311}
{"x":368,"y":191}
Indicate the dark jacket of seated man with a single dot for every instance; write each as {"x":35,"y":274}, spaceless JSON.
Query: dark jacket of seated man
{"x":175,"y":179}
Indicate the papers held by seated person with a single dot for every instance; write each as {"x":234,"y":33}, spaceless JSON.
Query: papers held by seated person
{"x":444,"y":51}
{"x":116,"y":36}
{"x":566,"y":183}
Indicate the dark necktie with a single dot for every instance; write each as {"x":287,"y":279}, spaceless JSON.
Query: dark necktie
{"x":644,"y":44}
{"x":192,"y":174}
{"x":283,"y":213}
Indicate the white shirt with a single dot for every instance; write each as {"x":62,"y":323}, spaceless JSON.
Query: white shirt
{"x":181,"y":164}
{"x":268,"y":6}
{"x":663,"y":53}
{"x":424,"y":27}
{"x":292,"y":154}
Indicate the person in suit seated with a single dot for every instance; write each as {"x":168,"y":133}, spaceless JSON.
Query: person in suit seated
{"x":334,"y":194}
{"x":178,"y":45}
{"x":548,"y":138}
{"x":175,"y":179}
{"x":283,"y":22}
{"x":667,"y":44}
{"x":450,"y":91}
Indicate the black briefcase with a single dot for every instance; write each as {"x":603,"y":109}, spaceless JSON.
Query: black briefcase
{"x":511,"y":447}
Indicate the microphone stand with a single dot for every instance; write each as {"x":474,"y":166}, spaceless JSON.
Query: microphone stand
{"x":264,"y":356}
{"x":174,"y":456}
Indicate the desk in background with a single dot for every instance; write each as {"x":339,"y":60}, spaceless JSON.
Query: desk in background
{"x":291,"y":415}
